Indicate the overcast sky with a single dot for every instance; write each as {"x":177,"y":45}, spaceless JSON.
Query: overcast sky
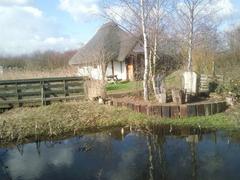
{"x":30,"y":25}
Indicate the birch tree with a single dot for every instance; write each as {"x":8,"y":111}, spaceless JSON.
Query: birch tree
{"x":141,"y":17}
{"x":192,"y":15}
{"x":146,"y":55}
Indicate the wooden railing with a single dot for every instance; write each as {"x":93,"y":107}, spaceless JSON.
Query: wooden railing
{"x":33,"y":92}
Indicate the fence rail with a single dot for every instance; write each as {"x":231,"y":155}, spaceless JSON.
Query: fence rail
{"x":33,"y":92}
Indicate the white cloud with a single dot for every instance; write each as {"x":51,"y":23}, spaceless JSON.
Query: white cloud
{"x":25,"y":29}
{"x":34,"y":11}
{"x":225,"y":7}
{"x":14,"y":2}
{"x":79,"y":8}
{"x":30,"y":165}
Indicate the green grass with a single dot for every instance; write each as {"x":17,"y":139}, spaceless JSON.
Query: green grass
{"x":124,"y":86}
{"x":174,"y":80}
{"x":19,"y":125}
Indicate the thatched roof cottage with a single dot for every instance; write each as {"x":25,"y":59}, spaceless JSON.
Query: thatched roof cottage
{"x":120,"y":50}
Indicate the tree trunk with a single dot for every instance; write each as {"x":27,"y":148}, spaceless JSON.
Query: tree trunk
{"x":154,"y":68}
{"x":146,"y":60}
{"x":190,"y":48}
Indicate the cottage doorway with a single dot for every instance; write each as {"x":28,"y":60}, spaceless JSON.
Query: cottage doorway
{"x":130,"y":72}
{"x":130,"y":68}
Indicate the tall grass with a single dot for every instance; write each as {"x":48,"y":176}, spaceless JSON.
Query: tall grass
{"x":77,"y":117}
{"x":12,"y":74}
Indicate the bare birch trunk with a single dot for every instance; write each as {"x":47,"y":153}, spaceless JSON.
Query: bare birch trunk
{"x":146,"y":60}
{"x":154,"y":68}
{"x":190,"y":48}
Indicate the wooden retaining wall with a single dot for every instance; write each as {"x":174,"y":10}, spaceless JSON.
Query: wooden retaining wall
{"x":175,"y":111}
{"x":33,"y":92}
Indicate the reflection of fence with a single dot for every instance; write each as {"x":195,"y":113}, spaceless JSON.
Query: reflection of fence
{"x":206,"y":79}
{"x":33,"y":92}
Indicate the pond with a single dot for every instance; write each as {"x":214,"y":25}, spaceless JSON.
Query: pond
{"x":159,"y":153}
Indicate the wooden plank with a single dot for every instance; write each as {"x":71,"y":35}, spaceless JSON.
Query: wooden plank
{"x":6,"y":95}
{"x":219,"y":107}
{"x":119,"y":104}
{"x":157,"y":110}
{"x":20,"y":101}
{"x":166,"y":112}
{"x":200,"y":110}
{"x":27,"y":94}
{"x":191,"y":110}
{"x":37,"y":80}
{"x":143,"y":109}
{"x":214,"y":108}
{"x":130,"y":106}
{"x":80,"y":90}
{"x":75,"y":84}
{"x":137,"y":107}
{"x":208,"y":109}
{"x":183,"y":110}
{"x":66,"y":98}
{"x":175,"y":111}
{"x":16,"y":92}
{"x":224,"y":103}
{"x":43,"y":93}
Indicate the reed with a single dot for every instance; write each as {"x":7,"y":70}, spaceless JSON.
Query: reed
{"x":76,"y":117}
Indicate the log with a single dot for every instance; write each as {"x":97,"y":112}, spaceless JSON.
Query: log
{"x":119,"y":104}
{"x":214,"y":108}
{"x":157,"y":110}
{"x":200,"y":110}
{"x":130,"y":106}
{"x":183,"y":111}
{"x":208,"y":109}
{"x":191,"y":110}
{"x":175,"y":111}
{"x":137,"y":107}
{"x":166,"y":112}
{"x":143,"y":109}
{"x":219,"y":107}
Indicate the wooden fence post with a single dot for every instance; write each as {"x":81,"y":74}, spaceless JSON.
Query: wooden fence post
{"x":43,"y":93}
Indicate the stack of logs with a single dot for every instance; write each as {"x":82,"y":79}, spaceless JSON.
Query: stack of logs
{"x":174,"y":111}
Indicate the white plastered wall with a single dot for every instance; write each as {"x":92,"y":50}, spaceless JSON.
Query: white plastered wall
{"x":95,"y":72}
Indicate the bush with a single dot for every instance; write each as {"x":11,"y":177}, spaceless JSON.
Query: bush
{"x":232,"y":87}
{"x":213,"y":86}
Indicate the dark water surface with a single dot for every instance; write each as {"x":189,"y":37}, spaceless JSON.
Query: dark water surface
{"x":165,"y":153}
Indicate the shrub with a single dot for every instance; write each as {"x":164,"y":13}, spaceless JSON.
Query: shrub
{"x":231,"y":87}
{"x":213,"y":86}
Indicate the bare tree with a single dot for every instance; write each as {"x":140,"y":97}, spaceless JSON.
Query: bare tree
{"x":95,"y":66}
{"x":156,"y":19}
{"x":142,"y":17}
{"x":192,"y":15}
{"x":146,"y":55}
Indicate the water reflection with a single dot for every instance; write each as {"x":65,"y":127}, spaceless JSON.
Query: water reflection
{"x":156,"y":153}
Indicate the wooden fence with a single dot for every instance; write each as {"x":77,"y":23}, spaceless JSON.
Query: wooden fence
{"x":33,"y":92}
{"x":174,"y":110}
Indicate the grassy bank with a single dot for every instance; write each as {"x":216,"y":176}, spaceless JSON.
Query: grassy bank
{"x":72,"y":118}
{"x":124,"y":86}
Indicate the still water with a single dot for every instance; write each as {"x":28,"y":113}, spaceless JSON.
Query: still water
{"x":162,"y":153}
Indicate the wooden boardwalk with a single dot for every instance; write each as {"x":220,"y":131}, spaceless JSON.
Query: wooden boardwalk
{"x":35,"y":92}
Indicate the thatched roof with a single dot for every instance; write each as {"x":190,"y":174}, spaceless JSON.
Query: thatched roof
{"x":110,"y":39}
